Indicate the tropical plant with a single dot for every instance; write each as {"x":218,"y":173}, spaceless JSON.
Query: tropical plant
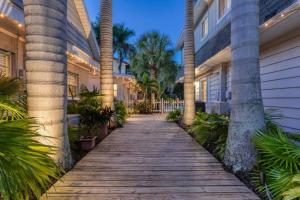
{"x":154,"y":56}
{"x":121,"y":46}
{"x":26,"y":168}
{"x":211,"y":130}
{"x":92,"y":98}
{"x":278,"y":162}
{"x":147,"y":86}
{"x":293,"y":193}
{"x":175,"y":115}
{"x":120,"y":112}
{"x":90,"y":120}
{"x":144,"y":107}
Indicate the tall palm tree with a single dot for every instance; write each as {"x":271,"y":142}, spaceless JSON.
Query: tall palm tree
{"x":153,"y":55}
{"x":46,"y":72}
{"x":189,"y":64}
{"x":121,"y":46}
{"x":247,"y":115}
{"x":106,"y":53}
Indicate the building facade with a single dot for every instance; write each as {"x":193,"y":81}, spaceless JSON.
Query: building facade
{"x":279,"y":57}
{"x":83,"y":50}
{"x":124,"y":82}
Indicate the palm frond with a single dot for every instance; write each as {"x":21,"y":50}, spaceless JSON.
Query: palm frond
{"x":25,"y":165}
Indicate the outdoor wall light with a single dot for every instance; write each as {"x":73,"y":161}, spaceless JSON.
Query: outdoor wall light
{"x":2,"y":15}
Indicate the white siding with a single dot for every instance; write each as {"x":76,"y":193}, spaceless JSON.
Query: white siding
{"x":214,"y":87}
{"x":214,"y":24}
{"x":280,"y":76}
{"x":228,"y":80}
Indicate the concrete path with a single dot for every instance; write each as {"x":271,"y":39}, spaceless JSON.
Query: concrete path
{"x":149,"y":159}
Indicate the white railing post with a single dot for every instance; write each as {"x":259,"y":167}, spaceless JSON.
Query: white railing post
{"x":162,"y":105}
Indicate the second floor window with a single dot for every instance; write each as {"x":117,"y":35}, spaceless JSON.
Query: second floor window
{"x":204,"y":27}
{"x":224,"y":7}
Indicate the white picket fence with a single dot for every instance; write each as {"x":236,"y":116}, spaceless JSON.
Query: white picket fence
{"x":165,"y":106}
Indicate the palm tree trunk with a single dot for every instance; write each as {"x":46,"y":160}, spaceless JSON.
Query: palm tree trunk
{"x":247,"y":115}
{"x":46,"y":72}
{"x":106,"y":53}
{"x":189,"y":64}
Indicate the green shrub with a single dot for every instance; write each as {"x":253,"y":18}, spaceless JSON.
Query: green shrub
{"x":144,"y":107}
{"x":174,"y":116}
{"x":278,"y":162}
{"x":26,"y":168}
{"x":73,"y":108}
{"x":121,"y":112}
{"x":211,"y":131}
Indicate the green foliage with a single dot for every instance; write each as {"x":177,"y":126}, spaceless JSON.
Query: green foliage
{"x":154,"y":56}
{"x":178,"y":90}
{"x":92,"y":118}
{"x":92,"y":98}
{"x":175,"y":116}
{"x":211,"y":131}
{"x":73,"y":108}
{"x":26,"y":168}
{"x":147,"y":86}
{"x":278,"y":161}
{"x":293,"y":193}
{"x":121,"y":112}
{"x":144,"y":107}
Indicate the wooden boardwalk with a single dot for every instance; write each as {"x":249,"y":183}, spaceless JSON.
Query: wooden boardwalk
{"x":149,"y":159}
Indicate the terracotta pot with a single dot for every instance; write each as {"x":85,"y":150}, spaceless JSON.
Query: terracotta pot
{"x":87,"y":144}
{"x":103,"y":130}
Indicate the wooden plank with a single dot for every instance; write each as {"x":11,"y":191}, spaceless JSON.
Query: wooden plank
{"x":144,"y":160}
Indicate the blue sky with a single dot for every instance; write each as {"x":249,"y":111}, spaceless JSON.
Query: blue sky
{"x":166,"y":16}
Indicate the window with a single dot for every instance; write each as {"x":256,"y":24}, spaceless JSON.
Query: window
{"x":115,"y":90}
{"x":204,"y":90}
{"x":204,"y":27}
{"x":197,"y":91}
{"x":224,"y":7}
{"x":5,"y":63}
{"x":73,"y":83}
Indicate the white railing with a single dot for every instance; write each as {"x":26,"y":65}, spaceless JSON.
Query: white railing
{"x":161,"y":106}
{"x":165,"y":106}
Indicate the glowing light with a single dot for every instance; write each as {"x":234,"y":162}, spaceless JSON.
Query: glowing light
{"x":1,"y":15}
{"x":20,"y":25}
{"x":282,"y":15}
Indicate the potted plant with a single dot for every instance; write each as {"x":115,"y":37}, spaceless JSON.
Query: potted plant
{"x":105,"y":116}
{"x":90,"y":120}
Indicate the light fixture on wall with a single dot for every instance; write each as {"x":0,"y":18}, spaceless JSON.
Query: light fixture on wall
{"x":20,"y":25}
{"x":2,"y":15}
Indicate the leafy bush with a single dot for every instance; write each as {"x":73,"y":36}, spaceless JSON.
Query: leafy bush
{"x":293,"y":193}
{"x":73,"y":108}
{"x":211,"y":131}
{"x":121,"y":112}
{"x":278,"y":162}
{"x":26,"y":168}
{"x":144,"y":107}
{"x":175,"y":116}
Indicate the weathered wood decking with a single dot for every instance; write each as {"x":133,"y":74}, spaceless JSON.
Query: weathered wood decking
{"x":149,"y":159}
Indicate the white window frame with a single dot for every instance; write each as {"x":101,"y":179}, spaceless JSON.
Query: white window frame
{"x":202,"y":22}
{"x":225,"y":12}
